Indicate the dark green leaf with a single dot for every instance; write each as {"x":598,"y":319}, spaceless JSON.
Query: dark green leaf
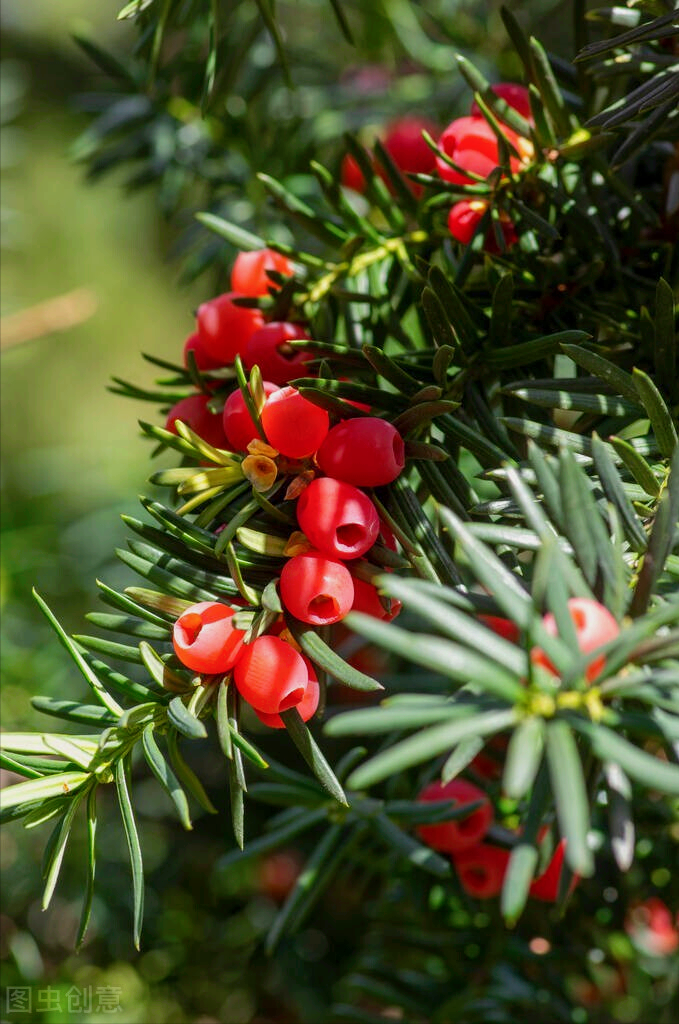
{"x":182,"y":719}
{"x":322,"y":655}
{"x":186,"y":775}
{"x":133,"y":846}
{"x":428,"y":744}
{"x":570,"y":796}
{"x":620,"y":815}
{"x":413,"y":851}
{"x":91,"y":866}
{"x":57,"y":850}
{"x":165,"y":776}
{"x":615,"y":492}
{"x":637,"y":465}
{"x":645,"y":768}
{"x":658,"y":413}
{"x":97,"y":688}
{"x":312,"y":754}
{"x":524,"y":755}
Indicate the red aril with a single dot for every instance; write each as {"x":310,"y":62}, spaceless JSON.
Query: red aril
{"x":546,"y":886}
{"x":316,"y":589}
{"x":338,"y":519}
{"x":367,"y":600}
{"x":195,"y":413}
{"x":269,"y":350}
{"x":270,"y":675}
{"x":503,"y":627}
{"x":472,"y":144}
{"x":481,"y":870}
{"x":365,"y":451}
{"x":225,"y":328}
{"x":249,"y":274}
{"x":237,"y":421}
{"x":514,"y":95}
{"x":205,"y":639}
{"x":307,"y":707}
{"x":204,"y":361}
{"x":594,"y":627}
{"x":351,"y":174}
{"x":293,"y":425}
{"x":460,"y":833}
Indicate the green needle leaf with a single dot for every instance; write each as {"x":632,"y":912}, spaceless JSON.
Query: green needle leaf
{"x":427,"y":744}
{"x":312,"y":754}
{"x":91,"y":865}
{"x":56,"y":855}
{"x":165,"y":776}
{"x":99,"y":691}
{"x":524,"y":755}
{"x":658,"y":413}
{"x":35,"y":790}
{"x":182,"y":719}
{"x":133,"y":846}
{"x":406,"y":846}
{"x":570,"y":795}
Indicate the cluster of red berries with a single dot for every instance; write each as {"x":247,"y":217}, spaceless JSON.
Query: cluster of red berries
{"x":481,"y":866}
{"x":323,"y":579}
{"x":268,"y":673}
{"x":471,"y":144}
{"x":225,"y":330}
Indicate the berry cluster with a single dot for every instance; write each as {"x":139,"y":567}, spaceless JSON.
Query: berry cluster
{"x":480,"y":865}
{"x":326,"y":574}
{"x":471,"y":151}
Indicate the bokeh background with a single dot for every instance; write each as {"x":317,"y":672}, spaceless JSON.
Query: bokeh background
{"x":87,"y":285}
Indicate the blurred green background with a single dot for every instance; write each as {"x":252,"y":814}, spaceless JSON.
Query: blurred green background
{"x":72,"y":461}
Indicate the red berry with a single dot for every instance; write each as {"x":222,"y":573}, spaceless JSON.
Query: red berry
{"x":268,"y":349}
{"x":481,"y":870}
{"x":594,"y":626}
{"x":472,"y":144}
{"x":293,"y":425}
{"x":194,"y":412}
{"x":461,"y":833}
{"x":366,"y":452}
{"x":464,"y":219}
{"x":338,"y":519}
{"x":249,"y":277}
{"x":307,"y":706}
{"x":205,"y":639}
{"x":407,"y":148}
{"x":546,"y":886}
{"x":270,"y":675}
{"x":516,"y":96}
{"x":237,"y":422}
{"x":351,"y":174}
{"x":224,"y":328}
{"x":367,"y":600}
{"x":651,"y":928}
{"x":503,"y":627}
{"x":204,"y":361}
{"x":316,"y":589}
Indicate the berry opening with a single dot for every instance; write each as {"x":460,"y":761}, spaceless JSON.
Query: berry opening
{"x":324,"y":606}
{"x":291,"y":699}
{"x":349,"y":535}
{"x":191,"y":625}
{"x":399,"y":450}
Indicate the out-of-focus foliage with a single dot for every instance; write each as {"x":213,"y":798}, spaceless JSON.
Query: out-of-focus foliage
{"x":425,"y":952}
